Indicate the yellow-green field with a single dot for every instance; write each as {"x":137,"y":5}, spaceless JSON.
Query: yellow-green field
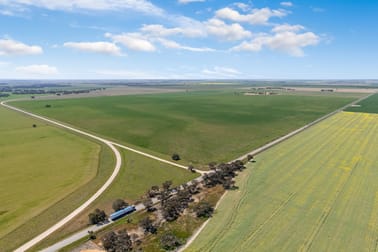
{"x":317,"y":191}
{"x":39,"y":167}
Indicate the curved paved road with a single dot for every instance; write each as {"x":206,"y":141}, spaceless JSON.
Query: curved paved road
{"x":62,"y":222}
{"x":117,"y":168}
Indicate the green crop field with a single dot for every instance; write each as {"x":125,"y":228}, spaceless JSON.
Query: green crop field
{"x":201,"y":126}
{"x":317,"y":191}
{"x":39,"y":167}
{"x":370,"y":105}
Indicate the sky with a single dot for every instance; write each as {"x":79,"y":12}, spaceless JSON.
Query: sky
{"x":188,"y":39}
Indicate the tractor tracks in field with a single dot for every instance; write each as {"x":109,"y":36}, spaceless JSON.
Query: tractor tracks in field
{"x":252,"y":235}
{"x":235,"y":208}
{"x":306,"y":246}
{"x":268,"y":146}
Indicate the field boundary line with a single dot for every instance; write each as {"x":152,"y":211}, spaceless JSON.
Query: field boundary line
{"x":78,"y":210}
{"x":98,"y":138}
{"x":118,"y":156}
{"x":266,"y":147}
{"x":111,"y":144}
{"x":295,"y":132}
{"x":156,"y":158}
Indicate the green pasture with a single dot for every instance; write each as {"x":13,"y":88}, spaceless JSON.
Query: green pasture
{"x":317,"y":191}
{"x":369,"y":105}
{"x":137,"y":175}
{"x":39,"y":167}
{"x":201,"y":126}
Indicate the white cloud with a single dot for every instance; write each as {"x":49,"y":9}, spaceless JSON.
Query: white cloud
{"x":12,"y":47}
{"x":252,"y":46}
{"x":221,"y":72}
{"x":242,"y":6}
{"x":287,"y":4}
{"x":97,"y":47}
{"x":96,"y":5}
{"x":174,"y":45}
{"x":214,"y":27}
{"x":133,"y":41}
{"x":189,"y":1}
{"x":161,"y":31}
{"x":287,"y":27}
{"x":257,"y":16}
{"x":224,"y":31}
{"x":287,"y":41}
{"x":37,"y":70}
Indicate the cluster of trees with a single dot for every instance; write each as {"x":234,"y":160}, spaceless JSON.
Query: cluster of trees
{"x":173,"y":201}
{"x":51,"y":91}
{"x":99,"y":216}
{"x":117,"y":242}
{"x":223,"y":174}
{"x":96,"y":217}
{"x":119,"y":204}
{"x":169,"y":241}
{"x":175,"y":205}
{"x":203,"y":210}
{"x":148,"y":225}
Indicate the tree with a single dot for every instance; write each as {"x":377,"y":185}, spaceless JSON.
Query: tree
{"x":191,"y":168}
{"x":117,"y":242}
{"x":96,"y":217}
{"x":212,"y":165}
{"x":153,"y":192}
{"x":48,"y":106}
{"x":119,"y":204}
{"x":175,"y":157}
{"x":34,"y":125}
{"x":148,"y":225}
{"x":91,"y":235}
{"x":149,"y":205}
{"x":169,"y":241}
{"x":166,"y":185}
{"x":228,"y":183}
{"x":203,"y":209}
{"x":250,"y":158}
{"x":171,"y":209}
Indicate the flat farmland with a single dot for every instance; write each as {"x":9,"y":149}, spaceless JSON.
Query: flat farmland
{"x":317,"y":191}
{"x":369,"y":105}
{"x":137,"y":175}
{"x":39,"y":167}
{"x":201,"y":126}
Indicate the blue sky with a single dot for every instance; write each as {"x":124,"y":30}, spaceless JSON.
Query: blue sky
{"x":188,"y":39}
